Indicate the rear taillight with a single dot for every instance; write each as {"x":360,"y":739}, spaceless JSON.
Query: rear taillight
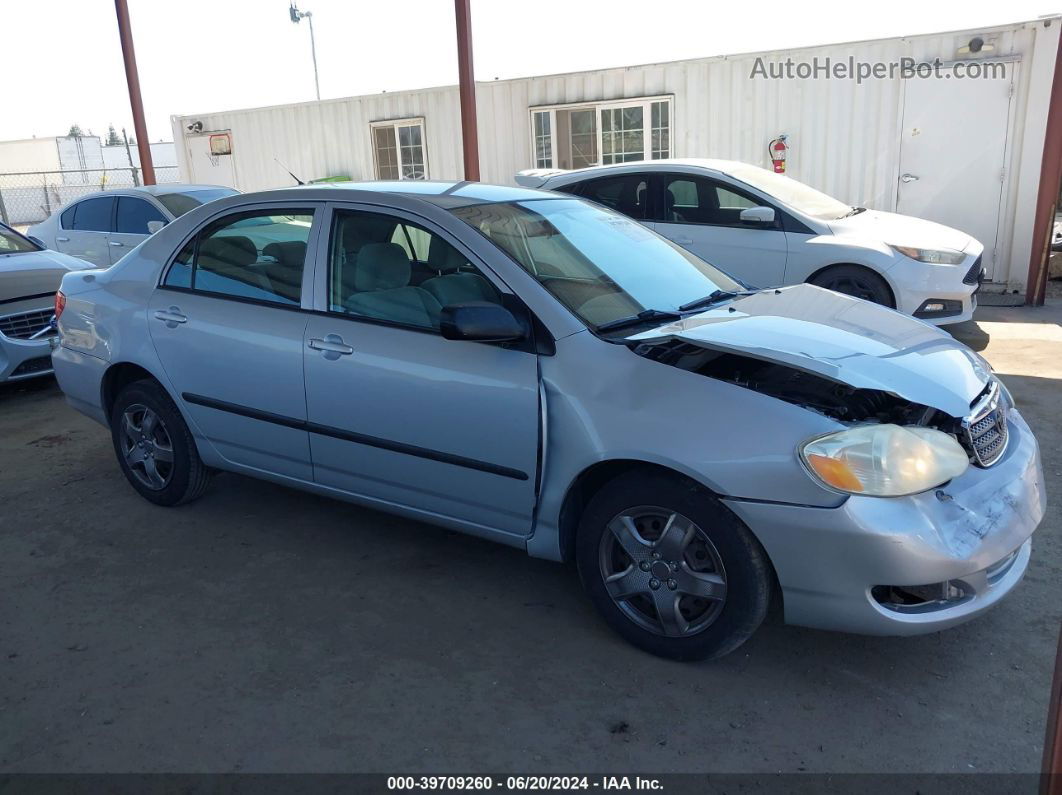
{"x":60,"y":304}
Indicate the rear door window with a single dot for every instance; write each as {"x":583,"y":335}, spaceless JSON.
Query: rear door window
{"x":93,"y":215}
{"x":134,"y":214}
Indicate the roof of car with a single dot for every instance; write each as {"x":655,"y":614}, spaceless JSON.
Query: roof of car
{"x":723,"y":166}
{"x":446,"y":194}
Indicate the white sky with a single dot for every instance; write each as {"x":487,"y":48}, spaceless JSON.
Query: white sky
{"x":60,"y":60}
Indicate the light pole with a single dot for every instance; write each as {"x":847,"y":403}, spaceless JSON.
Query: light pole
{"x":296,"y":17}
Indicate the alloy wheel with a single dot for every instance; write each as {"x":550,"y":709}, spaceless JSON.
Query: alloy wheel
{"x":146,"y":446}
{"x":662,"y":571}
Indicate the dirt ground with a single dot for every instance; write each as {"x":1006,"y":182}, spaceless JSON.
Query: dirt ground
{"x":262,"y":629}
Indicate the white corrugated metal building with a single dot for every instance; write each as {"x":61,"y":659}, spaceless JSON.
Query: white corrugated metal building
{"x":971,"y":132}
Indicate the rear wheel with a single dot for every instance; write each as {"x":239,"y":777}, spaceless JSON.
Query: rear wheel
{"x":856,"y":281}
{"x":670,"y":568}
{"x":155,"y":449}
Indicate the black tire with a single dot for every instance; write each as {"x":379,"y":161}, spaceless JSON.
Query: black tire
{"x":183,"y":478}
{"x":856,"y":281}
{"x":746,"y":571}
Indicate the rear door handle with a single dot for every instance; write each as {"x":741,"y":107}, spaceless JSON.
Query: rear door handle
{"x":116,"y":243}
{"x":332,"y":346}
{"x":172,"y":317}
{"x":62,"y":240}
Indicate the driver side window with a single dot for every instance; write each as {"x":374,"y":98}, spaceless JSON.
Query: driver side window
{"x":386,"y":269}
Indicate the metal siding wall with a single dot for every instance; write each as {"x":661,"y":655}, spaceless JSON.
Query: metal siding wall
{"x":845,"y":137}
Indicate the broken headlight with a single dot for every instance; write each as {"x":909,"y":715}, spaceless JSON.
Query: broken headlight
{"x":884,"y":460}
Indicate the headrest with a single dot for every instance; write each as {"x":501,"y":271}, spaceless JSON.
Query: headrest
{"x":233,"y":251}
{"x":364,"y":229}
{"x":444,"y":258}
{"x":287,"y":252}
{"x":381,"y":266}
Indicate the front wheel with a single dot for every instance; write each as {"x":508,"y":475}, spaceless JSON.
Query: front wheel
{"x":856,"y":281}
{"x":670,"y":568}
{"x":155,"y":449}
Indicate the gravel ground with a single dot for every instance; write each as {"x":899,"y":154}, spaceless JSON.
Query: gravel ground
{"x":262,"y":629}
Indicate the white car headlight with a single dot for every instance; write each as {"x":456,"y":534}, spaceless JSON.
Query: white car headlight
{"x":935,"y":256}
{"x":884,"y":460}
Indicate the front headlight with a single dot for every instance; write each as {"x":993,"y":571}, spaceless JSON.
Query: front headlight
{"x":884,"y":460}
{"x":934,"y":256}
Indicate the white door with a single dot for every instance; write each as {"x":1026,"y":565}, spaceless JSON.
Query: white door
{"x":953,"y":149}
{"x":205,"y":168}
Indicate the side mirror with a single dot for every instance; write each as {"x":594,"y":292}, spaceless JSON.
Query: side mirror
{"x":155,"y":226}
{"x":480,"y":321}
{"x":757,"y":216}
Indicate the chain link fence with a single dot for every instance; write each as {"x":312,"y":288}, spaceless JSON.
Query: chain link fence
{"x":30,"y":197}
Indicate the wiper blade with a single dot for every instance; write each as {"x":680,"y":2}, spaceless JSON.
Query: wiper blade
{"x":713,"y":297}
{"x":854,"y":211}
{"x":648,"y":316}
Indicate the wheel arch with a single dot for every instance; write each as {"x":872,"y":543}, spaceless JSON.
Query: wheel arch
{"x":884,"y":278}
{"x":118,"y":376}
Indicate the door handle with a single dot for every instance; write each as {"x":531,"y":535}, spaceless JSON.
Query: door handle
{"x":172,"y":317}
{"x":682,"y":241}
{"x":332,"y":346}
{"x":116,"y":243}
{"x":62,"y":240}
{"x":908,"y":178}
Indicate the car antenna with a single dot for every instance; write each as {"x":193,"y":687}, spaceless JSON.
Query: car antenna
{"x":299,"y":181}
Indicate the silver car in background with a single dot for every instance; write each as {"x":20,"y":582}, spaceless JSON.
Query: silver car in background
{"x":103,"y":227}
{"x":29,"y":279}
{"x":538,"y":370}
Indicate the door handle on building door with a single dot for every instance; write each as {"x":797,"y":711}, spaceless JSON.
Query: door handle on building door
{"x":908,"y":178}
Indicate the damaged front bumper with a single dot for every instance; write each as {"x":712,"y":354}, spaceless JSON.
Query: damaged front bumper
{"x":907,"y":565}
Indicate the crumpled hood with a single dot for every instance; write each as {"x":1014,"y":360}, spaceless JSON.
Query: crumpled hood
{"x":901,"y":230}
{"x":841,"y":338}
{"x":35,"y":273}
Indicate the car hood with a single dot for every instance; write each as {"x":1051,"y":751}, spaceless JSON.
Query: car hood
{"x":845,"y":339}
{"x":34,"y":273}
{"x":901,"y":230}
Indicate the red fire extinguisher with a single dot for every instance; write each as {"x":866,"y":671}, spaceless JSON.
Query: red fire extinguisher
{"x":777,"y":149}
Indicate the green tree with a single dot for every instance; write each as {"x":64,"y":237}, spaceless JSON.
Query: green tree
{"x":75,"y":131}
{"x":112,"y":137}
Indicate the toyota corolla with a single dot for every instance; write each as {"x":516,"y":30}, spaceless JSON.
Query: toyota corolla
{"x":540,"y":371}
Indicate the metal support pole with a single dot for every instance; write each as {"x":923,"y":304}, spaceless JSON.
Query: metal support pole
{"x":3,"y":209}
{"x":467,"y":81}
{"x":143,"y":144}
{"x":129,"y":155}
{"x":1051,"y":780}
{"x":313,"y":52}
{"x":1050,"y":177}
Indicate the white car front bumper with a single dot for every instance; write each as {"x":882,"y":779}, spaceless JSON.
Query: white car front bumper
{"x":921,"y":287}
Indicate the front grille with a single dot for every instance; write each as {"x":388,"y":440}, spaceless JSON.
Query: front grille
{"x":39,"y":364}
{"x":26,"y":325}
{"x":973,"y":276}
{"x":986,"y":428}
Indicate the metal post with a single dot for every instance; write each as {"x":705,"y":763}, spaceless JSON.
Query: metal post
{"x":129,"y":155}
{"x":3,"y":209}
{"x":1051,"y":780}
{"x":143,"y":144}
{"x":1050,"y":177}
{"x":313,"y":52}
{"x":467,"y":81}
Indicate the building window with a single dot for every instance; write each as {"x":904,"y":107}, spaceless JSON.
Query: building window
{"x":593,"y":134}
{"x":398,"y":148}
{"x":543,"y":139}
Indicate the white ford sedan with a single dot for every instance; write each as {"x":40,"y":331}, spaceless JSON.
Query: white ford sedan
{"x":769,"y":230}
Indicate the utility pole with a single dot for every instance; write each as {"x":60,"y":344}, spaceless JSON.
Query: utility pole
{"x":467,"y":82}
{"x":296,"y":16}
{"x":143,"y":143}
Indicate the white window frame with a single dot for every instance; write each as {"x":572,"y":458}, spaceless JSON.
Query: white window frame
{"x":415,"y":121}
{"x":646,"y":103}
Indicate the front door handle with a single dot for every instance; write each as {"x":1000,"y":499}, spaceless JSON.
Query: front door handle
{"x":116,"y":243}
{"x":62,"y":240}
{"x":172,"y":317}
{"x":332,"y":346}
{"x":908,"y":178}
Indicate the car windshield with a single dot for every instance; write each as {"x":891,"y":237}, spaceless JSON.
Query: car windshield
{"x":180,"y":203}
{"x":603,"y":266}
{"x":11,"y":242}
{"x":786,"y":189}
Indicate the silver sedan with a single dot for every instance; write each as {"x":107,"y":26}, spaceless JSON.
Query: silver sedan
{"x":543,"y":372}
